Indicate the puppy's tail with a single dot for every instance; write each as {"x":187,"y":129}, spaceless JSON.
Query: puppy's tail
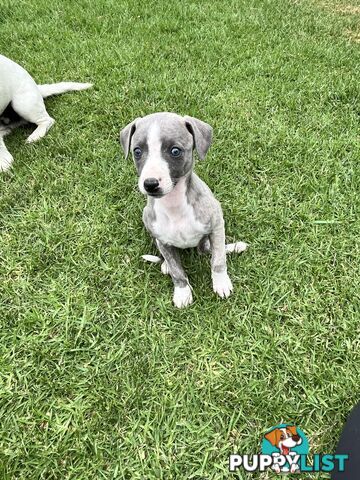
{"x":62,"y":87}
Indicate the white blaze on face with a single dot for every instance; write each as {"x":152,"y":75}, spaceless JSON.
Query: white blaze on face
{"x":288,"y":441}
{"x":155,"y":166}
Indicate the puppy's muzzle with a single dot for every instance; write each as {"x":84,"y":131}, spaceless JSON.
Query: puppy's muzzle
{"x":152,"y":186}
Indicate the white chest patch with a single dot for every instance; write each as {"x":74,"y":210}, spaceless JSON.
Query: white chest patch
{"x":176,"y":223}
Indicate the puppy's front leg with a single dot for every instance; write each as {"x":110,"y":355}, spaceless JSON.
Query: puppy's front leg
{"x":182,"y":290}
{"x":221,"y":282}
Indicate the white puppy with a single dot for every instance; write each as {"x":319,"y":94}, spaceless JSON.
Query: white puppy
{"x":18,"y":89}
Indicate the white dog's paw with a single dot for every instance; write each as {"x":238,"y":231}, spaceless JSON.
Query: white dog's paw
{"x":36,"y":135}
{"x":236,"y":247}
{"x":222,"y":284}
{"x":164,"y":268}
{"x":41,"y":130}
{"x":6,"y":160}
{"x":182,"y":296}
{"x":151,"y":258}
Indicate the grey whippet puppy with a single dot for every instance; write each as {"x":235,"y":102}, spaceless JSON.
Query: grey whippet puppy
{"x":181,"y":211}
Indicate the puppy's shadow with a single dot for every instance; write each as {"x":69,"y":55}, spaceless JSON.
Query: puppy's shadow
{"x":9,"y":116}
{"x":15,"y":126}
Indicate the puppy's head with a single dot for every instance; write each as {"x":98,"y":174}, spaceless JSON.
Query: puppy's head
{"x":162,"y":147}
{"x":284,"y":437}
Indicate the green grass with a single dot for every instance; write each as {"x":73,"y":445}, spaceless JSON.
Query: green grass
{"x":101,"y":377}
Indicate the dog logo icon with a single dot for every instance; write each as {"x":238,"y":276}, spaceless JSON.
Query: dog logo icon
{"x":285,"y":449}
{"x":285,"y":441}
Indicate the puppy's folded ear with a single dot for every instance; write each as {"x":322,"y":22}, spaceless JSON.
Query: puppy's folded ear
{"x":273,"y":437}
{"x":125,"y":136}
{"x":202,"y":135}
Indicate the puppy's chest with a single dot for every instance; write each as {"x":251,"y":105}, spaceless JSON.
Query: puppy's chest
{"x":178,"y":226}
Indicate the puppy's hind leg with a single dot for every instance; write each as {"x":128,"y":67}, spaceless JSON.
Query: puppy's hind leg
{"x":6,"y":158}
{"x":165,"y":268}
{"x":154,"y":259}
{"x":236,"y":247}
{"x":30,"y":106}
{"x":204,"y":245}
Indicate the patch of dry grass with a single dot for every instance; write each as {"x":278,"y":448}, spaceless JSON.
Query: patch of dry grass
{"x":353,"y":36}
{"x":343,"y":8}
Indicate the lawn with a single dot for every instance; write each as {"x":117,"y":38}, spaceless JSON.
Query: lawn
{"x":100,"y":376}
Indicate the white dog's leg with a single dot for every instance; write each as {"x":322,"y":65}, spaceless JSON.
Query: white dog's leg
{"x":236,"y":247}
{"x":29,"y":104}
{"x":165,"y":268}
{"x":6,"y":158}
{"x":42,"y":128}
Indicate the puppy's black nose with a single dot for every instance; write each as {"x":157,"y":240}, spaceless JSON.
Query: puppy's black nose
{"x":151,"y":185}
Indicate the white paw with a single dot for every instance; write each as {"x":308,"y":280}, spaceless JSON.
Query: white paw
{"x":34,"y":137}
{"x":240,"y":247}
{"x":40,"y":131}
{"x":276,"y":468}
{"x":222,"y":284}
{"x":182,"y":296}
{"x":236,"y":247}
{"x":151,"y":258}
{"x":6,"y":160}
{"x":164,"y":268}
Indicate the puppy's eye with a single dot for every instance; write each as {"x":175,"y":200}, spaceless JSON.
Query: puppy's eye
{"x":175,"y":152}
{"x":137,"y":152}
